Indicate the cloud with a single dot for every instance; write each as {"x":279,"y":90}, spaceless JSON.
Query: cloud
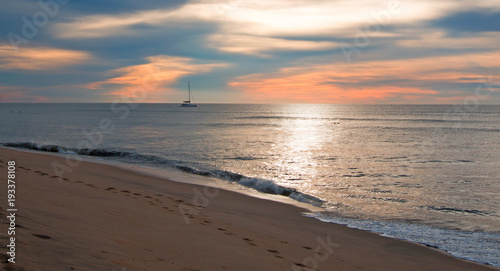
{"x":263,"y":27}
{"x":440,"y":39}
{"x":122,"y":6}
{"x":255,"y":45}
{"x":367,"y":82}
{"x":470,"y":21}
{"x":275,"y":22}
{"x":320,"y":18}
{"x":40,"y":58}
{"x":151,"y":81}
{"x":98,"y":26}
{"x":416,"y":49}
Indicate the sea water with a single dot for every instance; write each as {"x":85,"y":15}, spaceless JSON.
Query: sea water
{"x":426,"y":173}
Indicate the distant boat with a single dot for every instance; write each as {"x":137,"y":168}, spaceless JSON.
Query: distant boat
{"x":188,"y":102}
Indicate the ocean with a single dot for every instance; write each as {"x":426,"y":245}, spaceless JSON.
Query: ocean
{"x":424,"y":173}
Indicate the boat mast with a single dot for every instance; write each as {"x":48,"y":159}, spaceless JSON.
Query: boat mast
{"x":189,"y":88}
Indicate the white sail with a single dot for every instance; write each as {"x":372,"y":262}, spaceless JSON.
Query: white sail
{"x":188,"y":102}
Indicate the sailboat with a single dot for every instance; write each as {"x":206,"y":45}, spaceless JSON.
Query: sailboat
{"x":188,"y":102}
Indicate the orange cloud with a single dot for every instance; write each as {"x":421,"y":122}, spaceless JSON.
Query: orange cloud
{"x":148,"y":81}
{"x":40,"y":58}
{"x":305,"y":88}
{"x":255,"y":45}
{"x":366,"y":82}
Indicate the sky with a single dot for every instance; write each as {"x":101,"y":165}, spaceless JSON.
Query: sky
{"x":237,"y":51}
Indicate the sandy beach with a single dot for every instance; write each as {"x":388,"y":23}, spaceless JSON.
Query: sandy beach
{"x":102,"y":217}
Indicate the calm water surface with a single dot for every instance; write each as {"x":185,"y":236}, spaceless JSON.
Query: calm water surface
{"x":425,"y":173}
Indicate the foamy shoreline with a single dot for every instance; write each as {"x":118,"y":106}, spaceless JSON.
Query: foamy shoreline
{"x":102,"y":217}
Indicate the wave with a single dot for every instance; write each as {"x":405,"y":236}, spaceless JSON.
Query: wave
{"x":458,"y":210}
{"x":259,"y":184}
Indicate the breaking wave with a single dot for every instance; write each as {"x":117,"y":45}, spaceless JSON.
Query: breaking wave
{"x":259,"y":184}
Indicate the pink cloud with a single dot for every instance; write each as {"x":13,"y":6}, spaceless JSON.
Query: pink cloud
{"x":150,"y":81}
{"x":366,"y":82}
{"x":41,"y":58}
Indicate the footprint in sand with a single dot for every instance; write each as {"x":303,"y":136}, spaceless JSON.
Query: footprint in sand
{"x":42,"y":236}
{"x":126,"y":192}
{"x":274,"y":251}
{"x":41,"y":173}
{"x":250,"y":242}
{"x":170,"y":210}
{"x":301,"y":265}
{"x":19,"y":226}
{"x":205,"y":223}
